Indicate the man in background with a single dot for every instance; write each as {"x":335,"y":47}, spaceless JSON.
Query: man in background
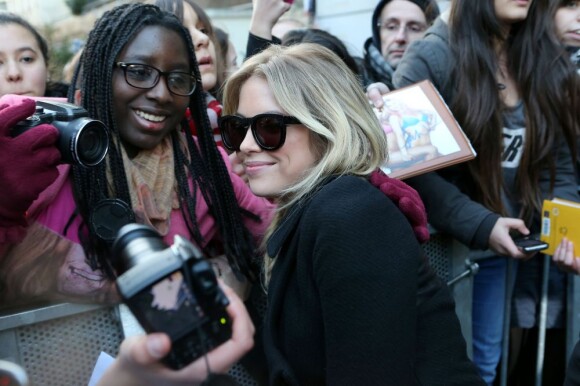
{"x":395,"y":25}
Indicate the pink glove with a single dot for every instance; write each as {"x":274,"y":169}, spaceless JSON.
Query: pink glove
{"x":407,"y":199}
{"x":27,"y":167}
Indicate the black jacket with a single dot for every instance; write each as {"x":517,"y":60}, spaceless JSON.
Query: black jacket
{"x":352,"y":300}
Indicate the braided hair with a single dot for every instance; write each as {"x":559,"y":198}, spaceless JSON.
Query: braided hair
{"x":111,"y":33}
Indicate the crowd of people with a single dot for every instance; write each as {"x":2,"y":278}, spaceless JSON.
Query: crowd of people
{"x":272,"y":167}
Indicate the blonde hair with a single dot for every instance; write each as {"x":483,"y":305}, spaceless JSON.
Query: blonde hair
{"x":313,"y":84}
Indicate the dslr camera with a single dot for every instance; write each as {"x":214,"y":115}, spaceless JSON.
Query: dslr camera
{"x":81,"y":140}
{"x":172,"y":290}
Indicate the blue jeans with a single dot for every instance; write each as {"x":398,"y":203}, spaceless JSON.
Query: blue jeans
{"x":489,"y":291}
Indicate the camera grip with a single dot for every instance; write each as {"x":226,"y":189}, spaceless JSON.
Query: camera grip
{"x":28,"y":166}
{"x":13,"y":112}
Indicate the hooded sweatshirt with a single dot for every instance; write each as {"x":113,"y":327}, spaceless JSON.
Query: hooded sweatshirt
{"x":374,"y":67}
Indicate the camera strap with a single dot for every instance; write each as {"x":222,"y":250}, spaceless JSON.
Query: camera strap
{"x":213,"y":379}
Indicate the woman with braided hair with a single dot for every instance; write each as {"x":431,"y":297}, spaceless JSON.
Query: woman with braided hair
{"x":138,"y":74}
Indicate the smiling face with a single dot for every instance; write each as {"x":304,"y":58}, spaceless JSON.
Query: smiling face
{"x":567,"y":22}
{"x":204,"y":47}
{"x":270,"y":172}
{"x":145,"y":117}
{"x":511,"y":11}
{"x":23,"y":69}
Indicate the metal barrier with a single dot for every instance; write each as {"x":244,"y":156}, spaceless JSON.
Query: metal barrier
{"x":450,"y":260}
{"x":59,"y":344}
{"x":572,"y":316}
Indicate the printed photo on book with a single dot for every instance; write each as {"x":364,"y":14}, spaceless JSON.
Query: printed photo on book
{"x":422,"y":134}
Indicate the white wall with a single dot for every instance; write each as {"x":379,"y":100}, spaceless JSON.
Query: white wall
{"x":348,"y":20}
{"x":236,"y":24}
{"x":39,"y":12}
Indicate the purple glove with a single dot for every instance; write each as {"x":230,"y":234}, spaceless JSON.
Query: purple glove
{"x":408,"y":201}
{"x":27,"y":167}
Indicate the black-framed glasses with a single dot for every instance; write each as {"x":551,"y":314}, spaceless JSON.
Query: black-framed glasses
{"x":146,"y":77}
{"x":269,"y":130}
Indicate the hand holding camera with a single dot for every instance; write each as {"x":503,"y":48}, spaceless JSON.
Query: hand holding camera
{"x":138,"y":361}
{"x":28,"y":163}
{"x":81,"y":140}
{"x":171,"y":290}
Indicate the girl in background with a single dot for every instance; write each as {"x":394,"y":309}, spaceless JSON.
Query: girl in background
{"x":24,"y":60}
{"x":228,"y":51}
{"x":519,"y":107}
{"x":567,"y":22}
{"x":208,"y":54}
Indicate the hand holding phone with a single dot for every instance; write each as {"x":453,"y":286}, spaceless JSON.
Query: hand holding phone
{"x":530,"y":245}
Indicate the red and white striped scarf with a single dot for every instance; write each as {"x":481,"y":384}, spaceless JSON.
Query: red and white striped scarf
{"x":214,"y":111}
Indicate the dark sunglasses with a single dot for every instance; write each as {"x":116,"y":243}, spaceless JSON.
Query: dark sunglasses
{"x":269,"y":130}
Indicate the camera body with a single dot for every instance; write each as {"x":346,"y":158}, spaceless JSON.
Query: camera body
{"x":173,"y":290}
{"x":81,"y":140}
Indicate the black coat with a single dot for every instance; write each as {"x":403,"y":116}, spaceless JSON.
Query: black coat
{"x":351,"y":300}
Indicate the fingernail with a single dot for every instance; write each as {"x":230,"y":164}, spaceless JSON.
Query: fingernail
{"x":155,"y":346}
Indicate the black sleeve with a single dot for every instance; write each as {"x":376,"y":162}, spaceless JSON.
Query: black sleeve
{"x":451,"y":211}
{"x":257,"y":44}
{"x":566,"y":182}
{"x":448,"y":208}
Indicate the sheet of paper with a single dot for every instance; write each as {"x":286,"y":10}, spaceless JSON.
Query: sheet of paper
{"x":103,"y":362}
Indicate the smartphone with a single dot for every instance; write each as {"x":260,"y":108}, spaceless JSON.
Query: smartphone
{"x":529,"y":245}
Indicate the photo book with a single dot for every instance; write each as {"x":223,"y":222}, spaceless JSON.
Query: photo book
{"x":560,"y":218}
{"x":422,"y":134}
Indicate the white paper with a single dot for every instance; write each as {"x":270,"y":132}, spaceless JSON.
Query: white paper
{"x":103,"y":362}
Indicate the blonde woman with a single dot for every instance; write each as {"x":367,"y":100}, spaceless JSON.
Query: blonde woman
{"x":350,"y":298}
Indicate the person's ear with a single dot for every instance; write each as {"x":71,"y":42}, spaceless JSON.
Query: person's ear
{"x":77,"y":97}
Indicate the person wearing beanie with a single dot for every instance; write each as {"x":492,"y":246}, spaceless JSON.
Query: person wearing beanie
{"x":395,"y":25}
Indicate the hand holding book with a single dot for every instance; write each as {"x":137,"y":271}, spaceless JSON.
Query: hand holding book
{"x":422,"y":134}
{"x":561,"y":229}
{"x":565,"y":258}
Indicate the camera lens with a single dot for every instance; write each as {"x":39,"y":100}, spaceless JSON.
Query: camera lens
{"x":83,"y":141}
{"x":133,"y":242}
{"x":92,"y":143}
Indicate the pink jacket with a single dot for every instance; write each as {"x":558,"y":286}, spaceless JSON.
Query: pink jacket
{"x":55,"y":206}
{"x":47,"y":265}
